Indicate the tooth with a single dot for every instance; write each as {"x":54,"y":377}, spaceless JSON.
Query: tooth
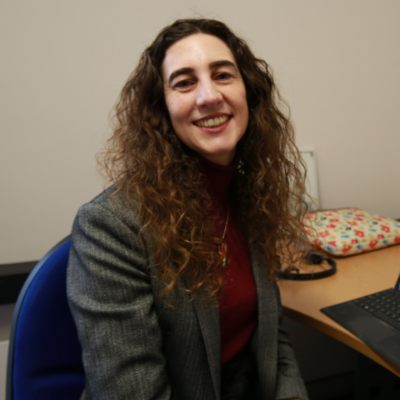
{"x":212,"y":122}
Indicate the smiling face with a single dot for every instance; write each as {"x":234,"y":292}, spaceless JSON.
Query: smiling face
{"x":205,"y":96}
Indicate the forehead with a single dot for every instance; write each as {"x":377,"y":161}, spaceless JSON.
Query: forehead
{"x":195,"y":51}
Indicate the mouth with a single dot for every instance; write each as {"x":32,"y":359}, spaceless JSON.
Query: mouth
{"x":212,"y":122}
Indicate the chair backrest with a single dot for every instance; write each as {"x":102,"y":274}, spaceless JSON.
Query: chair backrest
{"x":44,"y":357}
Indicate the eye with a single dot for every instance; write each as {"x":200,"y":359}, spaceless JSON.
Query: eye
{"x":183,"y":85}
{"x":223,"y":75}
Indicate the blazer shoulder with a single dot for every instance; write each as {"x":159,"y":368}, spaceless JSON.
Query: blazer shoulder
{"x":111,"y":220}
{"x":110,"y":207}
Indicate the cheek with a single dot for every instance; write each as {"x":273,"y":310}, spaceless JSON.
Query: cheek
{"x":176,"y":111}
{"x":240,"y":99}
{"x":244,"y":109}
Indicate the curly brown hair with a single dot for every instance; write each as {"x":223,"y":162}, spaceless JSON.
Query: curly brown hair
{"x":146,"y":161}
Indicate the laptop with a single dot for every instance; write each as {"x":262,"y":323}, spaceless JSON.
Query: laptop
{"x":375,"y":319}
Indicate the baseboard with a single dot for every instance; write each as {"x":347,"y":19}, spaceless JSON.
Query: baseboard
{"x":3,"y":368}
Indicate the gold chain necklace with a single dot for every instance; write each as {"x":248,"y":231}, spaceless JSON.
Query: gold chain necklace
{"x":222,"y":247}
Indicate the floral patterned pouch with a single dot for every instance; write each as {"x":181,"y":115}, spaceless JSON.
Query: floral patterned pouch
{"x":348,"y":231}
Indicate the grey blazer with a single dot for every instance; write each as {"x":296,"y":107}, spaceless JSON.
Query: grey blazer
{"x":136,"y":347}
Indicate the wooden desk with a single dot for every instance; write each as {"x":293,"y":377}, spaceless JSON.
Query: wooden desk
{"x":356,"y":276}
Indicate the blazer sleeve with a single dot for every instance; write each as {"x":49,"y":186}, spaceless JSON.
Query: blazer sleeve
{"x":289,"y":383}
{"x":112,"y":302}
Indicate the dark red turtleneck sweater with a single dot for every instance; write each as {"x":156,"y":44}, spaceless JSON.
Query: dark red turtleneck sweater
{"x":238,"y":302}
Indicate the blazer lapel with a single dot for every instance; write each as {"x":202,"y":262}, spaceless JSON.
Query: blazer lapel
{"x":265,"y":340}
{"x":209,"y":321}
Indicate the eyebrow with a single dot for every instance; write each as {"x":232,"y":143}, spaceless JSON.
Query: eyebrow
{"x":189,"y":70}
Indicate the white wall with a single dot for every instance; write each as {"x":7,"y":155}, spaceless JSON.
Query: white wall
{"x":63,"y":64}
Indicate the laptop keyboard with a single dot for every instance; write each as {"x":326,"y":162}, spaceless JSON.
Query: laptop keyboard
{"x":385,"y":305}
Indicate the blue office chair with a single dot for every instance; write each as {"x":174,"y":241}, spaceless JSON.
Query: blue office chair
{"x":44,"y":356}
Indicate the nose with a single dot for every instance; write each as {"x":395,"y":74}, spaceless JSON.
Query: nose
{"x":208,"y":94}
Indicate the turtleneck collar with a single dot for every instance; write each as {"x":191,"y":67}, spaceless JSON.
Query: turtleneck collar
{"x":218,"y":178}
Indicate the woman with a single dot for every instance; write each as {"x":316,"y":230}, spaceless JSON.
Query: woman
{"x":171,"y":272}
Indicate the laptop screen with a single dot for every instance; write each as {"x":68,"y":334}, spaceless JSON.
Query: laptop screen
{"x":397,"y":287}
